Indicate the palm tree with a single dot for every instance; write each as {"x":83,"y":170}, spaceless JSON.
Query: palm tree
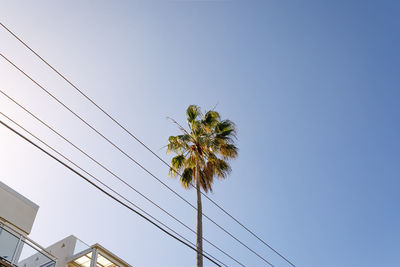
{"x":202,"y":153}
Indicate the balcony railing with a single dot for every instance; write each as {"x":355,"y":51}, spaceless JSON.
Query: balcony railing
{"x":18,"y":250}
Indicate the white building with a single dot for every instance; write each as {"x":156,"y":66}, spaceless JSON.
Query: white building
{"x":17,"y":215}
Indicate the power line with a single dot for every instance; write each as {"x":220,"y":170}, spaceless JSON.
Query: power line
{"x":132,"y":159}
{"x":186,"y":242}
{"x":111,"y":172}
{"x":105,"y":185}
{"x":138,"y":140}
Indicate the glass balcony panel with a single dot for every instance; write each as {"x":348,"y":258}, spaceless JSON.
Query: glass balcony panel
{"x":32,"y":257}
{"x":27,"y":252}
{"x":8,"y":244}
{"x":80,"y":246}
{"x":12,"y":250}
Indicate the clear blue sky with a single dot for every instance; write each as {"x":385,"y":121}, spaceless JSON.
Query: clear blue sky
{"x":313,"y":87}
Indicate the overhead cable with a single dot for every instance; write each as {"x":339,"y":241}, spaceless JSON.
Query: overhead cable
{"x":181,"y":239}
{"x":113,"y":174}
{"x":141,"y":142}
{"x":131,"y":158}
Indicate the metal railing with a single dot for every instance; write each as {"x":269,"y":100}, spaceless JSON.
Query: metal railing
{"x":21,"y":251}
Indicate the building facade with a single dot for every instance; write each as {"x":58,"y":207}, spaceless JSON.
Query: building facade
{"x":17,"y":215}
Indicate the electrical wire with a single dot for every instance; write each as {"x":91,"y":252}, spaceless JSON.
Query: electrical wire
{"x":132,"y":159}
{"x":112,"y":173}
{"x":184,"y":241}
{"x":139,"y":141}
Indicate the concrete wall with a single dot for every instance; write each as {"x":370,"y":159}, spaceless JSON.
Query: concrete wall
{"x":62,"y":250}
{"x":17,"y":209}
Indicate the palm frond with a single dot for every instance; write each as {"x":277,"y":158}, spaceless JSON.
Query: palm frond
{"x":211,"y":118}
{"x":192,"y":112}
{"x":197,"y":128}
{"x":174,"y":145}
{"x":222,"y":168}
{"x":206,"y":180}
{"x":228,"y":151}
{"x":179,"y":126}
{"x":187,"y":177}
{"x":184,"y":138}
{"x":177,"y":164}
{"x":226,"y":128}
{"x":189,"y":162}
{"x":178,"y":144}
{"x":223,"y":139}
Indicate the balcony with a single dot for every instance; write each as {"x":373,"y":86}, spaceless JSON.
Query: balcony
{"x":15,"y":246}
{"x":95,"y":256}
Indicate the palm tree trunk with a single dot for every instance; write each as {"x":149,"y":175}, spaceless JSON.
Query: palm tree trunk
{"x":199,"y":229}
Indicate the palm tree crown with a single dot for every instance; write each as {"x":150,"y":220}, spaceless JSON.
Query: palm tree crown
{"x":203,"y":150}
{"x":202,"y":153}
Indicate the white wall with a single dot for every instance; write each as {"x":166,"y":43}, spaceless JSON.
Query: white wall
{"x":62,"y":250}
{"x":17,"y":209}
